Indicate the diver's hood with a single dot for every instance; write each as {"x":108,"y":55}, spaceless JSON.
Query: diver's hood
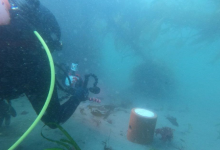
{"x":24,"y":8}
{"x":25,"y":4}
{"x":33,"y":15}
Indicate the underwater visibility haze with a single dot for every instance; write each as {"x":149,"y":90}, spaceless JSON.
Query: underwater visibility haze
{"x":160,"y":55}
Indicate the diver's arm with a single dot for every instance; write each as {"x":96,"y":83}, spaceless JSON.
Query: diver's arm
{"x":55,"y":112}
{"x":68,"y":108}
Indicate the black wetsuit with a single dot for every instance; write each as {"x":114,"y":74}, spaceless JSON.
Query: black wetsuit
{"x":24,"y":66}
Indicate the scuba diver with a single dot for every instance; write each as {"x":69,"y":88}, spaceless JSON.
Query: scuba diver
{"x":24,"y":64}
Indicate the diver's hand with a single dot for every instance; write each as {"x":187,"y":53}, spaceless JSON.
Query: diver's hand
{"x":81,"y":93}
{"x":6,"y":111}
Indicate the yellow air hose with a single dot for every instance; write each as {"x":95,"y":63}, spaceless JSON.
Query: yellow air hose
{"x":52,"y":83}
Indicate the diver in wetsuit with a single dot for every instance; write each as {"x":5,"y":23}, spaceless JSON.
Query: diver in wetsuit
{"x":24,"y":66}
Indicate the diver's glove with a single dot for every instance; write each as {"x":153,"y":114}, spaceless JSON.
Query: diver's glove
{"x":81,"y":93}
{"x":6,"y":111}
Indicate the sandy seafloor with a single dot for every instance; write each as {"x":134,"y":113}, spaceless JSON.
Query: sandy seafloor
{"x":199,"y":128}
